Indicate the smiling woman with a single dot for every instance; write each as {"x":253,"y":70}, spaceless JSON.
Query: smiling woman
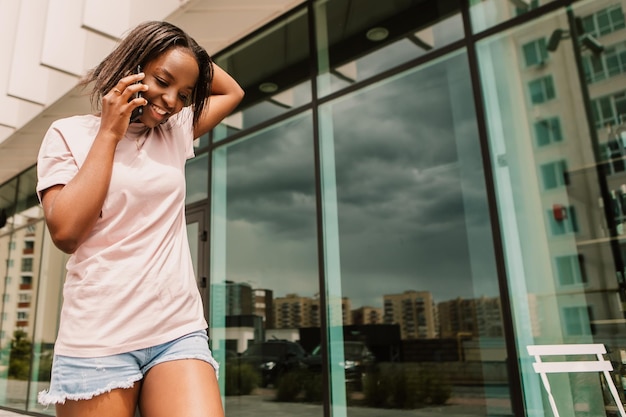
{"x":130,"y":289}
{"x":170,"y":81}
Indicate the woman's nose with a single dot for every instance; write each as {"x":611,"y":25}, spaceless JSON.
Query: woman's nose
{"x":169,"y":97}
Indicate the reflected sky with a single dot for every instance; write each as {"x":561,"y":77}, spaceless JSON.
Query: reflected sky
{"x":403,"y":201}
{"x":412,"y":215}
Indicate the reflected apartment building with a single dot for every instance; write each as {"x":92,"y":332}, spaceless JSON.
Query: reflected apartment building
{"x":440,"y":184}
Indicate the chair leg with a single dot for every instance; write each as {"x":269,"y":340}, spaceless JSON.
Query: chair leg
{"x":546,"y":384}
{"x":618,"y":401}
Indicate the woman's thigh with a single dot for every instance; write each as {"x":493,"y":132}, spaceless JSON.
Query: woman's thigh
{"x":120,"y":402}
{"x":185,"y":387}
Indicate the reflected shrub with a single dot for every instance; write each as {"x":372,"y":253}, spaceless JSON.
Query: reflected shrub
{"x":20,"y":356}
{"x":45,"y":367}
{"x":289,"y":386}
{"x":405,"y":387}
{"x":241,"y":379}
{"x":312,"y":383}
{"x":376,"y":388}
{"x":433,"y":387}
{"x":299,"y":385}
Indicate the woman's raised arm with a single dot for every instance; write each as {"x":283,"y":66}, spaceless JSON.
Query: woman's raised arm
{"x":226,"y":94}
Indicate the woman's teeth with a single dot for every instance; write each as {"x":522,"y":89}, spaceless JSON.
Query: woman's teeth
{"x":158,"y":110}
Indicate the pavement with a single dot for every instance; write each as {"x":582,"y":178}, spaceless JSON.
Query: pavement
{"x":7,"y":413}
{"x":263,"y":404}
{"x":249,"y":406}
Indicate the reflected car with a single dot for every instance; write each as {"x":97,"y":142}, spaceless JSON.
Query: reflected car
{"x":274,"y":358}
{"x":358,"y":362}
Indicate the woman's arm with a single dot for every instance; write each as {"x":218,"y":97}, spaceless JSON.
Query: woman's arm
{"x":71,"y":210}
{"x":225,"y":96}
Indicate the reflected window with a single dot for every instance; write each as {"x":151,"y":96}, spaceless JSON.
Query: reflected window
{"x":197,"y":179}
{"x":562,"y":220}
{"x":604,"y":21}
{"x":27,"y":264}
{"x":610,"y":63}
{"x":541,"y":90}
{"x":526,"y":5}
{"x":571,"y":269}
{"x":554,"y":175}
{"x":548,"y":131}
{"x":535,"y":52}
{"x":577,"y":321}
{"x":609,"y":110}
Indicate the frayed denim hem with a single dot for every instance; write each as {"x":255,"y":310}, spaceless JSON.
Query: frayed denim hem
{"x":47,"y":398}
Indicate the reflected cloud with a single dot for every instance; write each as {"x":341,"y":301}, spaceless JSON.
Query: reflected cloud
{"x":406,"y":201}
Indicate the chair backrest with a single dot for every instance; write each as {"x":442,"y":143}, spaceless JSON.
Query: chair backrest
{"x":599,"y":365}
{"x":564,"y":366}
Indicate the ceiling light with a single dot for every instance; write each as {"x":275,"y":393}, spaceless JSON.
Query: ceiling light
{"x":377,"y":34}
{"x":268,"y":87}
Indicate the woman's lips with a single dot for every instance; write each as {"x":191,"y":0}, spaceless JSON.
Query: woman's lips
{"x":158,"y":112}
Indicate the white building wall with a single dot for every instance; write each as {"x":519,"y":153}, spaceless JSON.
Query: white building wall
{"x":47,"y":45}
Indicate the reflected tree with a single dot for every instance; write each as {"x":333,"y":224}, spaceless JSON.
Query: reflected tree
{"x":20,"y":356}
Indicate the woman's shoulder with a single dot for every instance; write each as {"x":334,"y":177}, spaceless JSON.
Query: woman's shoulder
{"x":75,"y":133}
{"x":78,"y":122}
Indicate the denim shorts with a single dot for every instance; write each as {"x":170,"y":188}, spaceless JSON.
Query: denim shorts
{"x":84,"y":378}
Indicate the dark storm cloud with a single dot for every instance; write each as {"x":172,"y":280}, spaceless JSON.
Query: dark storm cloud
{"x":271,"y":180}
{"x":410,"y":190}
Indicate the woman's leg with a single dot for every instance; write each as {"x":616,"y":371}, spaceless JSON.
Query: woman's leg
{"x":186,"y":388}
{"x":117,"y":403}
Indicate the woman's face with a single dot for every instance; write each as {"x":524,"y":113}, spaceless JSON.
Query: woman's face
{"x":171,"y":79}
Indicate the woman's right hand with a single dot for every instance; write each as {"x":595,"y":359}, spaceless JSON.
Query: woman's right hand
{"x":118,"y":105}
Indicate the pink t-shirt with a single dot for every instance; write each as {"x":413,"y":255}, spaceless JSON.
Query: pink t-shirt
{"x":131,"y":284}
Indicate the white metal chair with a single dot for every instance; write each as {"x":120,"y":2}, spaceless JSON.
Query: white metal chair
{"x":600,"y":365}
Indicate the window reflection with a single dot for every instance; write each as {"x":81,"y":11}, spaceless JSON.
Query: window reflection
{"x":197,"y":179}
{"x":563,"y":222}
{"x":265,"y":311}
{"x":417,"y":270}
{"x":49,"y":299}
{"x":30,"y":306}
{"x":21,"y":279}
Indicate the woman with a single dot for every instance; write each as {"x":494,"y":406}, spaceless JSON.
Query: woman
{"x":132,"y":330}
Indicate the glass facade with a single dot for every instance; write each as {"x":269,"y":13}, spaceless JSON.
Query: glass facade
{"x":419,"y":205}
{"x":556,"y":142}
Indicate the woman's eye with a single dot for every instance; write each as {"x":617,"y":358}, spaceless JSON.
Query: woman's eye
{"x":161,"y":82}
{"x":184,"y":98}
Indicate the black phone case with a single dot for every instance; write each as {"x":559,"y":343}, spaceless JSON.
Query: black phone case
{"x":137,"y":112}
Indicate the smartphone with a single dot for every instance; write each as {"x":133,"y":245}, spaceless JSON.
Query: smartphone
{"x":138,"y":111}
